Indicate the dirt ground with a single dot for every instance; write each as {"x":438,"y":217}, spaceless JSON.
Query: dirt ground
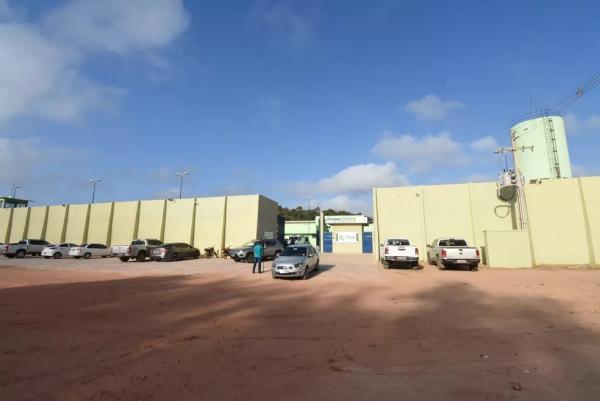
{"x":211,"y":330}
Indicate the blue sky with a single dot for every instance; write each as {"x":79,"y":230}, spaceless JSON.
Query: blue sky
{"x":283,"y":98}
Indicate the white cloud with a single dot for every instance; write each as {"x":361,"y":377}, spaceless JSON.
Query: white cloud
{"x":431,"y":107}
{"x":355,"y":204}
{"x":356,"y":179}
{"x":282,"y":21}
{"x":117,"y":25}
{"x":485,"y":144}
{"x":40,"y":66}
{"x":421,"y":154}
{"x":575,"y":125}
{"x":593,"y":122}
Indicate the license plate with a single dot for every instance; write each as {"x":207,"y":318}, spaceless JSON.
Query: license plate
{"x":400,"y":258}
{"x":461,"y":261}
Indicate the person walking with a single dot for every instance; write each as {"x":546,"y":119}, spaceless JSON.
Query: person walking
{"x":258,"y":255}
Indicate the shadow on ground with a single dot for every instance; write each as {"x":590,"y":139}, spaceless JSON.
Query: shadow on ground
{"x":190,"y":338}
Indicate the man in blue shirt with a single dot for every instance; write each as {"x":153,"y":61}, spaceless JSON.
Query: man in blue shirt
{"x":258,"y":255}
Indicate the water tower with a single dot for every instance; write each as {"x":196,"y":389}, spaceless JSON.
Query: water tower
{"x":541,"y":149}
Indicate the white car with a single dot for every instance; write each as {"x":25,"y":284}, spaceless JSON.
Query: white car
{"x":57,"y":251}
{"x":86,"y":251}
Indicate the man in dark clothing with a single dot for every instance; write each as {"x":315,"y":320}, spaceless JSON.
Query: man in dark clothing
{"x":258,"y":255}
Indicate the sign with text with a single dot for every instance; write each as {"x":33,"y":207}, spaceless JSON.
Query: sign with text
{"x":346,"y":237}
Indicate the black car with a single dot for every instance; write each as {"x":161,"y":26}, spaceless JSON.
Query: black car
{"x":174,"y":251}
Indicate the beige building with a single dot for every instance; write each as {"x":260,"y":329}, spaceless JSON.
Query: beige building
{"x":561,"y":216}
{"x":202,"y":222}
{"x":346,"y":234}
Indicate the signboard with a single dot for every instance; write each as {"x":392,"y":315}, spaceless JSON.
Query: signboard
{"x":346,"y":220}
{"x":346,"y":237}
{"x":269,"y":235}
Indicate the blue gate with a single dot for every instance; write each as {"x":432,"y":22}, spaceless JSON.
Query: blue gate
{"x":327,"y":242}
{"x":367,"y":242}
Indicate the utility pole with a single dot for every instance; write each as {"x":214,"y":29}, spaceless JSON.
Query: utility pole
{"x":181,"y":174}
{"x":94,"y":181}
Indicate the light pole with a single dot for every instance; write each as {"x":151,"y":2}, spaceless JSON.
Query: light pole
{"x":308,"y":198}
{"x":94,"y":181}
{"x":13,"y":190}
{"x":181,"y":174}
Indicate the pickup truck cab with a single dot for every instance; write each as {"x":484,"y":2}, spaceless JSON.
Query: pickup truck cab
{"x":399,"y":251}
{"x":446,"y":252}
{"x":26,"y":247}
{"x":140,"y":249}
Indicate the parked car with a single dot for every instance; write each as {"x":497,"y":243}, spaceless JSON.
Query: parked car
{"x":399,"y":251}
{"x":139,"y":249}
{"x":26,"y":247}
{"x":272,"y":249}
{"x":89,"y":250}
{"x":296,"y":261}
{"x":57,"y":251}
{"x":446,"y":252}
{"x":174,"y":251}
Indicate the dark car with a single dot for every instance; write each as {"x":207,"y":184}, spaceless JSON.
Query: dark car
{"x":174,"y":251}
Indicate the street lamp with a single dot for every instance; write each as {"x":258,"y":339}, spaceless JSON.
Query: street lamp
{"x":13,"y":190}
{"x":181,"y":174}
{"x":94,"y":181}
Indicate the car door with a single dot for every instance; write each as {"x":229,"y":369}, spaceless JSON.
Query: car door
{"x":312,"y":256}
{"x":102,"y":250}
{"x":431,"y":250}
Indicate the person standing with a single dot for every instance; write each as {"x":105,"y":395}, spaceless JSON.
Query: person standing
{"x":258,"y":255}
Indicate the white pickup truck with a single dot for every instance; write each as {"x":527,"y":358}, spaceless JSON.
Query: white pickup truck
{"x":399,"y":251}
{"x":446,"y":252}
{"x":139,"y":249}
{"x":31,"y":247}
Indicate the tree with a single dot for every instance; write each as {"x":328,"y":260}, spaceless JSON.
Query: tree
{"x":299,"y":213}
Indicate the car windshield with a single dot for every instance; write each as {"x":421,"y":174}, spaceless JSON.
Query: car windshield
{"x":398,"y":242}
{"x":84,"y":245}
{"x":249,"y":243}
{"x":294,"y":251}
{"x":138,"y":242}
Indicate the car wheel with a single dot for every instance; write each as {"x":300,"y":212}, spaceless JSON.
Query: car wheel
{"x":441,"y":266}
{"x":175,"y":257}
{"x":306,"y":273}
{"x":123,"y":259}
{"x":57,"y":255}
{"x":77,"y":257}
{"x":196,"y":255}
{"x":250,"y":258}
{"x":46,"y":257}
{"x":141,"y":257}
{"x":20,"y":254}
{"x":474,"y":267}
{"x":274,"y":276}
{"x":87,"y":255}
{"x":386,"y":264}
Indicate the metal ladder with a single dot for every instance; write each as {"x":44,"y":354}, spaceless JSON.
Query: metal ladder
{"x":551,"y":140}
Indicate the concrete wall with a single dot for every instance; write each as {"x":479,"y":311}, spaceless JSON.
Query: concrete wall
{"x":124,"y":222}
{"x":508,"y":248}
{"x":347,"y":247}
{"x":179,"y":220}
{"x":55,"y":223}
{"x":5,"y":217}
{"x":19,"y":224}
{"x":99,"y":223}
{"x":242,"y":221}
{"x":204,"y":222}
{"x":563,"y":220}
{"x":267,"y":217}
{"x":210,"y":223}
{"x":37,"y":222}
{"x":151,"y":217}
{"x":76,"y":223}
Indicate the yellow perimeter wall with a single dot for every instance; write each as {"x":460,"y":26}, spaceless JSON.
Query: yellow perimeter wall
{"x":204,"y":222}
{"x":563,"y":220}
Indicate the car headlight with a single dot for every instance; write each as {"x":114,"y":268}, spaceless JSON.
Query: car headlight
{"x":298,"y":265}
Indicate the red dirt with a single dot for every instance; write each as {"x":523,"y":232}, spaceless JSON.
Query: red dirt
{"x":104,"y":331}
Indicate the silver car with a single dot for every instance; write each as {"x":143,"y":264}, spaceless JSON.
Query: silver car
{"x":296,"y":261}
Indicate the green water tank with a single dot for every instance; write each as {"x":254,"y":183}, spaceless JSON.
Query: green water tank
{"x":541,"y":150}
